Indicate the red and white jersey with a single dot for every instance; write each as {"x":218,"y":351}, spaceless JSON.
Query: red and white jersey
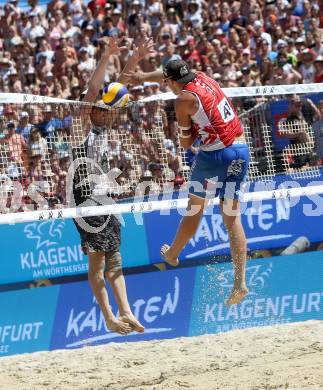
{"x":216,"y":121}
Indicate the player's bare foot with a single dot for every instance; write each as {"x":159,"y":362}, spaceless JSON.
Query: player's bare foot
{"x":167,"y":255}
{"x":237,"y":295}
{"x":118,"y":326}
{"x":130,"y":319}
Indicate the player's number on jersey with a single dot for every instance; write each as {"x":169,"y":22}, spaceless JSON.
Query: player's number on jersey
{"x":225,"y":110}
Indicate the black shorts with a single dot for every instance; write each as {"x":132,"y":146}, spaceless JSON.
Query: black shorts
{"x":106,"y":239}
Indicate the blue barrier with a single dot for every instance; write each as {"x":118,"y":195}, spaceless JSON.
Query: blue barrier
{"x":269,"y":224}
{"x":40,"y":250}
{"x":181,"y":302}
{"x":162,"y":301}
{"x":48,"y":249}
{"x":26,"y":322}
{"x":282,"y":289}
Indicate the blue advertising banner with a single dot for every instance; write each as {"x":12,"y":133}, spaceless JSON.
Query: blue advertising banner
{"x":269,"y":224}
{"x":49,"y":249}
{"x":40,"y":250}
{"x":26,"y":321}
{"x":282,"y":289}
{"x":160,"y":300}
{"x":134,"y":248}
{"x":183,"y":302}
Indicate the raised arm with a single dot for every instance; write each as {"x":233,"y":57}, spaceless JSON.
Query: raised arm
{"x":81,"y":117}
{"x":316,"y":111}
{"x":97,"y":78}
{"x":156,"y":76}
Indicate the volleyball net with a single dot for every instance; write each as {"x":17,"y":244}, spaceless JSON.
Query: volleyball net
{"x":56,"y":154}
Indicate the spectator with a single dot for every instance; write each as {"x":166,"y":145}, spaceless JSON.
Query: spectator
{"x":35,"y":8}
{"x":282,"y":48}
{"x":238,"y":21}
{"x":110,"y":28}
{"x":117,"y":20}
{"x":5,"y":69}
{"x":284,"y":73}
{"x":63,"y":59}
{"x":319,"y":69}
{"x":169,"y":54}
{"x":71,"y":30}
{"x":318,"y":44}
{"x":154,"y":13}
{"x":249,"y":78}
{"x":49,"y":80}
{"x":50,"y":123}
{"x":86,"y":62}
{"x":35,"y":30}
{"x":16,"y":145}
{"x":60,"y":144}
{"x":307,"y":69}
{"x":44,"y":51}
{"x":259,"y":35}
{"x":194,"y":14}
{"x":297,"y":127}
{"x":43,"y":68}
{"x":24,"y":127}
{"x":37,"y":144}
{"x":14,"y":83}
{"x":302,"y":110}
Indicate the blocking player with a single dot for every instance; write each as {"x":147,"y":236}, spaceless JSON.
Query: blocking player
{"x":100,"y":235}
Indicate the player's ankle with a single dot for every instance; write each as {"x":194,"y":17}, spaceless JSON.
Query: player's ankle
{"x":125,"y":313}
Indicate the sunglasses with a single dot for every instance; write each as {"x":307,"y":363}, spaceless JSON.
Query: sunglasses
{"x":166,"y":77}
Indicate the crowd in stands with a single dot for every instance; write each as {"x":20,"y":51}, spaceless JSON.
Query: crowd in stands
{"x":52,"y":50}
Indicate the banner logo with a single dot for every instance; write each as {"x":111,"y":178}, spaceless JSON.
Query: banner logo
{"x":257,"y":277}
{"x":51,"y":256}
{"x":46,"y":233}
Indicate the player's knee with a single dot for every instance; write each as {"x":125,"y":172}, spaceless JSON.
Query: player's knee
{"x":232,"y":223}
{"x":230,"y":210}
{"x":113,"y":275}
{"x":195,"y":206}
{"x":95,"y":272}
{"x":113,"y":266}
{"x":96,"y":264}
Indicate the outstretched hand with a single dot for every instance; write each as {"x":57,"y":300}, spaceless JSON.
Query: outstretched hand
{"x":111,"y":46}
{"x":133,"y":77}
{"x":145,"y":47}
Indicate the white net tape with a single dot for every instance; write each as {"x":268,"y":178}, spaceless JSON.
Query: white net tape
{"x":153,"y":205}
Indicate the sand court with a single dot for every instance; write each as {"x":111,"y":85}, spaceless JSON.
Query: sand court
{"x":286,"y":356}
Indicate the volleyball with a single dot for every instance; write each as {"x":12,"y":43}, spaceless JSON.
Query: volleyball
{"x":115,"y":95}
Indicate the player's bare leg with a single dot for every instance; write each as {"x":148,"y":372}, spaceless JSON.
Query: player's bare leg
{"x":118,"y":285}
{"x":230,"y":210}
{"x":186,"y":230}
{"x":96,"y":280}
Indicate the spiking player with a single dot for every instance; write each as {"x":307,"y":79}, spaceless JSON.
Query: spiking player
{"x":203,"y":111}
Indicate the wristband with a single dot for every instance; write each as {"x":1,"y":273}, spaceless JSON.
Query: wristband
{"x":184,"y":128}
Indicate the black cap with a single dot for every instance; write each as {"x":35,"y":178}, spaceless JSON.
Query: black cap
{"x":179,"y":71}
{"x":245,"y":69}
{"x":10,"y":125}
{"x":166,"y":36}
